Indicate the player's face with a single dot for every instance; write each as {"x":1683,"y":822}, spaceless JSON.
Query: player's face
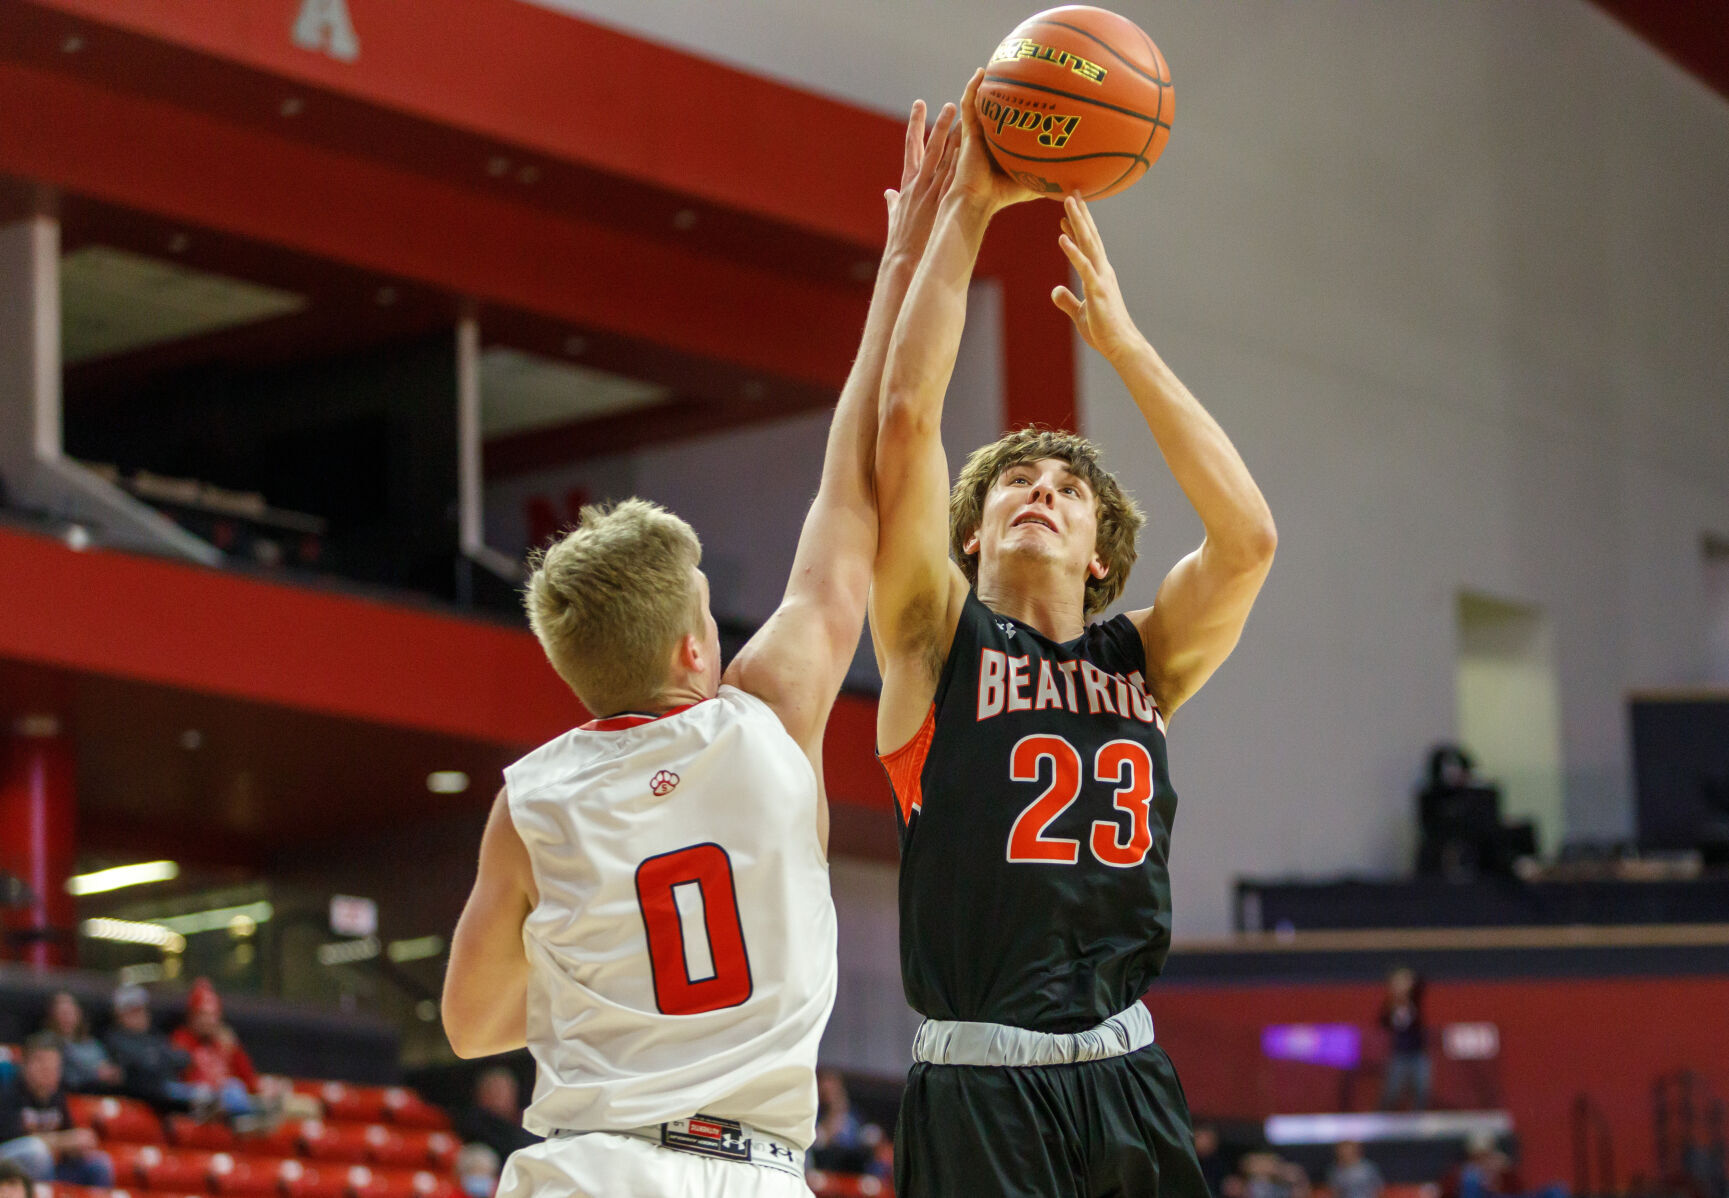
{"x":1040,"y":509}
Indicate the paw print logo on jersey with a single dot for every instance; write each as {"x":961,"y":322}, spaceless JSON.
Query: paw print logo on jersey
{"x":662,"y":783}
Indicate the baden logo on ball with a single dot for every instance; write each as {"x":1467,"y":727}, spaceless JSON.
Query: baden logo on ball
{"x":1076,"y":99}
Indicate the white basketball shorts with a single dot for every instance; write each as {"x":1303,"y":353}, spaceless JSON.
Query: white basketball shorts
{"x":601,"y":1165}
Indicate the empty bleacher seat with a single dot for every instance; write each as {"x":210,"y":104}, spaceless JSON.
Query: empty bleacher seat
{"x":124,"y":1119}
{"x":345,"y":1103}
{"x":405,"y":1108}
{"x":407,"y":1183}
{"x":245,"y":1176}
{"x":847,"y":1185}
{"x":329,"y":1180}
{"x":281,"y":1140}
{"x":410,"y":1148}
{"x":338,"y":1142}
{"x":212,"y":1135}
{"x":172,"y":1168}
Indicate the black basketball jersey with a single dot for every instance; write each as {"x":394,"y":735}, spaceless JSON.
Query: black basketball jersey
{"x":1035,"y":810}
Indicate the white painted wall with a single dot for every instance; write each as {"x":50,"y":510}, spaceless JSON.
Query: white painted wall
{"x":1452,"y":276}
{"x":1509,"y":711}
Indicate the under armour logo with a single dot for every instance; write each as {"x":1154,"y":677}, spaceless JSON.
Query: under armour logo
{"x":662,"y":783}
{"x":1007,"y":626}
{"x":781,"y":1150}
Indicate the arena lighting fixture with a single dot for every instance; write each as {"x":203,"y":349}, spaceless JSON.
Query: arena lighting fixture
{"x":130,"y":931}
{"x":447,"y":782}
{"x":418,"y":949}
{"x":347,"y":952}
{"x":220,"y":917}
{"x":104,"y":880}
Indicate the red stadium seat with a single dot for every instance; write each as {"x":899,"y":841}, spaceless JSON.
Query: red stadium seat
{"x":406,"y":1183}
{"x":338,"y":1142}
{"x":246,"y":1176}
{"x":330,"y":1180}
{"x":124,"y":1119}
{"x":344,"y":1103}
{"x":210,"y":1135}
{"x":410,"y":1148}
{"x":281,"y":1140}
{"x":126,"y":1158}
{"x":847,"y":1185}
{"x":405,"y":1108}
{"x":174,"y":1169}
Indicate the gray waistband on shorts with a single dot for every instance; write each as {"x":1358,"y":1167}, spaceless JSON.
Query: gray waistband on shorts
{"x":722,"y":1139}
{"x":952,"y":1042}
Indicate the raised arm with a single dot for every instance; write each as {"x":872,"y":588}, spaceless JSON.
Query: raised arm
{"x":917,"y":592}
{"x":1204,"y":601}
{"x":798,"y":659}
{"x":485,"y":1003}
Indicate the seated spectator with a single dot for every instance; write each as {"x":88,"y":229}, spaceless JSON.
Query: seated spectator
{"x":1268,"y":1175}
{"x":36,"y":1132}
{"x":216,"y":1063}
{"x":150,"y":1066}
{"x":477,"y":1170}
{"x":14,"y":1182}
{"x":1489,"y":1173}
{"x":495,"y":1118}
{"x":85,"y":1066}
{"x":1353,"y":1175}
{"x":1212,"y":1160}
{"x":843,"y":1143}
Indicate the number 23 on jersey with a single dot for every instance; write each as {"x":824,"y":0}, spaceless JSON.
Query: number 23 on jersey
{"x":1124,"y":764}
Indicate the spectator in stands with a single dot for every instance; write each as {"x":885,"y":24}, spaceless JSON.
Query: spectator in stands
{"x":216,"y":1064}
{"x":85,"y":1065}
{"x":14,"y":1182}
{"x":1212,"y":1160}
{"x":843,"y":1144}
{"x":149,"y":1063}
{"x":495,"y":1118}
{"x":1353,"y":1175}
{"x":1407,"y":1049}
{"x":1267,"y":1175}
{"x":477,"y":1169}
{"x":36,"y":1131}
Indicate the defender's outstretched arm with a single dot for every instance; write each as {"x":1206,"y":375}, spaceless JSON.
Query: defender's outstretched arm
{"x":917,"y":592}
{"x":798,"y":659}
{"x":485,"y":1003}
{"x":1203,"y":603}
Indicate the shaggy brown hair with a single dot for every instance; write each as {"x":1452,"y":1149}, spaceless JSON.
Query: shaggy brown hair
{"x":611,"y":598}
{"x":1119,"y":517}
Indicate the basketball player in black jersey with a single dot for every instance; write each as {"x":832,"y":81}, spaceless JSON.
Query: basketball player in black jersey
{"x":1027,"y":747}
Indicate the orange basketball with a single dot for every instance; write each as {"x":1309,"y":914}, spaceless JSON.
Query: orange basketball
{"x":1076,"y":99}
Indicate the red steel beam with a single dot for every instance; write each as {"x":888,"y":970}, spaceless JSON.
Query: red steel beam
{"x":230,"y":177}
{"x":214,"y":632}
{"x":568,"y":88}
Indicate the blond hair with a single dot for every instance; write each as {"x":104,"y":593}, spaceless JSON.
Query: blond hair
{"x":1119,"y":516}
{"x":610,"y":599}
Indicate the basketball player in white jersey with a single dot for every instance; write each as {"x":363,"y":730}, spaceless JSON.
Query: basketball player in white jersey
{"x":652,"y":913}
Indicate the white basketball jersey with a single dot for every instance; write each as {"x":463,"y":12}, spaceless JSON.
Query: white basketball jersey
{"x":682,"y":953}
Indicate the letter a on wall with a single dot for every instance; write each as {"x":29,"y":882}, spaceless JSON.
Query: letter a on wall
{"x":323,"y":25}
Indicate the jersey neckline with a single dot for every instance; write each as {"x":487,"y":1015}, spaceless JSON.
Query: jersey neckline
{"x":1023,"y":626}
{"x":632,"y":719}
